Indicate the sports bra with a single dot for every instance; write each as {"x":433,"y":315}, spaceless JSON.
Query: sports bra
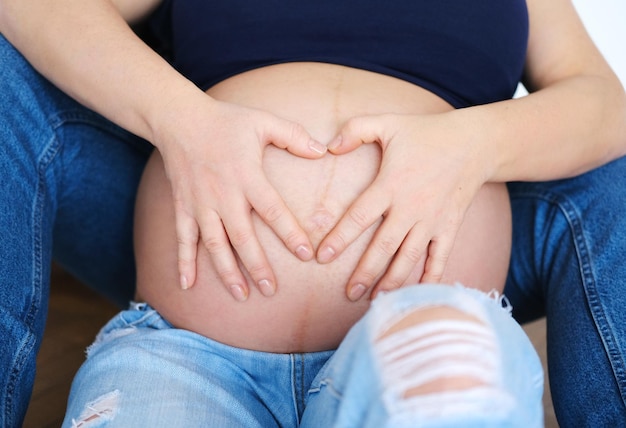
{"x":466,"y":52}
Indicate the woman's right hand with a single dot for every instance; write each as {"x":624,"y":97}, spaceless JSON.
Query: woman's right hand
{"x":213,"y":158}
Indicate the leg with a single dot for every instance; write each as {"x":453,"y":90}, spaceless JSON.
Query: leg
{"x":568,"y":262}
{"x":46,"y":142}
{"x":431,"y":356}
{"x":142,"y":372}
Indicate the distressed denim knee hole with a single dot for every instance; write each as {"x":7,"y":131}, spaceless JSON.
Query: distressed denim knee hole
{"x":440,"y":359}
{"x":98,"y":411}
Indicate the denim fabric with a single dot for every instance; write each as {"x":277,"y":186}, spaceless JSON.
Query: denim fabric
{"x":349,"y":391}
{"x":68,"y":180}
{"x":167,"y":377}
{"x":142,"y":372}
{"x":568,"y":262}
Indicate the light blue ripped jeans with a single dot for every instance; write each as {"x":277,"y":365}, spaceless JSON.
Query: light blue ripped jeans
{"x":143,"y":372}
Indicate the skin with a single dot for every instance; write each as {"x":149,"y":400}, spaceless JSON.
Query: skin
{"x":571,"y":122}
{"x":309,"y":310}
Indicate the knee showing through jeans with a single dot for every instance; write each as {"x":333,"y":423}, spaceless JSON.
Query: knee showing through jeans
{"x":99,"y":411}
{"x":440,"y":360}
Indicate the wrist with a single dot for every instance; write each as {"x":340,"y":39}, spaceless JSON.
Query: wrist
{"x":475,"y":129}
{"x":172,"y":113}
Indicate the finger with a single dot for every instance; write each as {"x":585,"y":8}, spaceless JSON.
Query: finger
{"x":355,"y":132}
{"x":242,"y":236}
{"x":216,"y":242}
{"x":377,"y":257}
{"x":364,"y":212}
{"x":272,"y":209}
{"x":187,"y":234}
{"x":295,"y":139}
{"x":408,"y":259}
{"x":438,"y":255}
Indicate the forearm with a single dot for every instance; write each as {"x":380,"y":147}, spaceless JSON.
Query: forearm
{"x":560,"y":131}
{"x":89,"y":51}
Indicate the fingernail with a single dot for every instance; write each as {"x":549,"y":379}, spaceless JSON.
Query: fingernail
{"x":266,"y":287}
{"x":326,"y":254}
{"x":183,"y":282}
{"x":356,"y":292}
{"x":238,"y":293}
{"x":317,"y":147}
{"x":304,"y":253}
{"x":334,"y":145}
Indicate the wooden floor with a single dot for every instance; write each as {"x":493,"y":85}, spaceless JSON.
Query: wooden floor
{"x":75,"y":316}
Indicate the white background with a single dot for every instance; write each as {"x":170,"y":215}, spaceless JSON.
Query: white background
{"x":606,"y":22}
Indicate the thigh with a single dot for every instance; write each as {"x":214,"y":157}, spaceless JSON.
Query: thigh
{"x":99,"y":169}
{"x":353,"y":389}
{"x":569,"y":242}
{"x":34,"y":177}
{"x":142,"y":372}
{"x":68,"y":178}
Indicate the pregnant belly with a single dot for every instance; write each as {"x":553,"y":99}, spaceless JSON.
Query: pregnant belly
{"x":310,"y":311}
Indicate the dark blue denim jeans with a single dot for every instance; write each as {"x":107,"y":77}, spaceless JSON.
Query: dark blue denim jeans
{"x":68,"y":180}
{"x":569,"y":263}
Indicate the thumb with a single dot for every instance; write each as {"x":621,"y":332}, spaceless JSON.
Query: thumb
{"x":355,"y":132}
{"x":295,"y":139}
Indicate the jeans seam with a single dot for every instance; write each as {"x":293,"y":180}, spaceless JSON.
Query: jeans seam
{"x":52,"y":148}
{"x":302,"y":386}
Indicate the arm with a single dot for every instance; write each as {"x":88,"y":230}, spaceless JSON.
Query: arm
{"x":572,"y":121}
{"x":88,"y":49}
{"x":574,"y":118}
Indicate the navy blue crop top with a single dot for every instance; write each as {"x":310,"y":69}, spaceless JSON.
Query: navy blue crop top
{"x":466,"y":52}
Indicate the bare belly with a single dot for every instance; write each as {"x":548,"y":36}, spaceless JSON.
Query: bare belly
{"x":310,"y":311}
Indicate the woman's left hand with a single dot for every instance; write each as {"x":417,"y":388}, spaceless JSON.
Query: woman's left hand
{"x":430,"y":172}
